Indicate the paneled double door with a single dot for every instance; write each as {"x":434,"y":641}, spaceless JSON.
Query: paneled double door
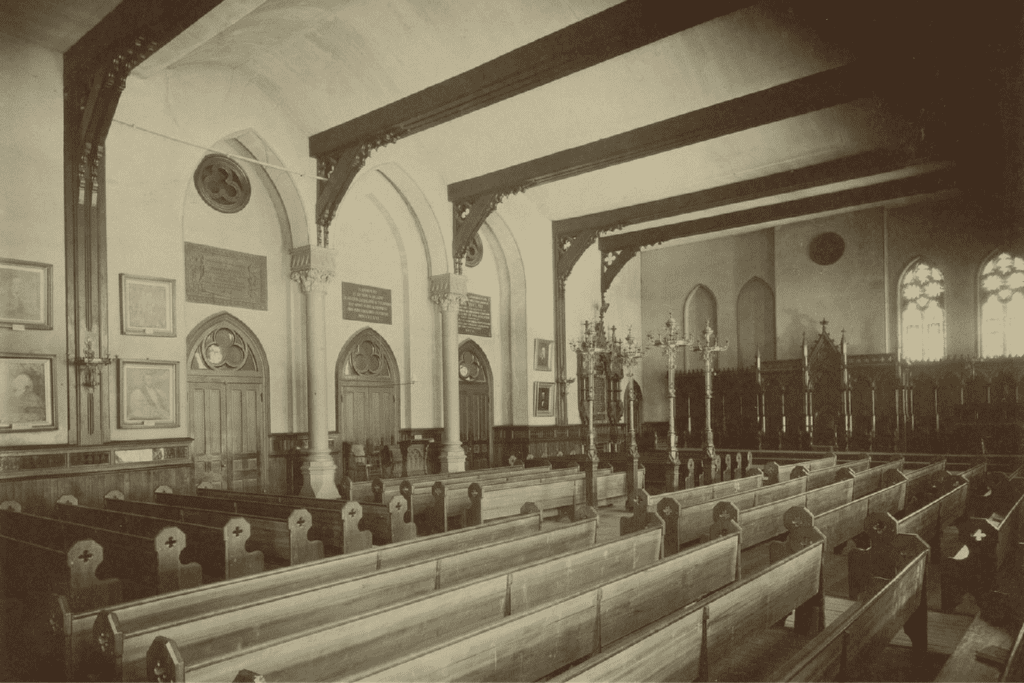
{"x":226,"y":426}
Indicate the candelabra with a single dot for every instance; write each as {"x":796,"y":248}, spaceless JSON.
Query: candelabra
{"x":627,"y":353}
{"x":589,"y":348}
{"x":90,"y":364}
{"x":669,"y":341}
{"x":706,"y":349}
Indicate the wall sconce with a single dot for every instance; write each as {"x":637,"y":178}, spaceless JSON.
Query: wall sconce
{"x":90,"y":364}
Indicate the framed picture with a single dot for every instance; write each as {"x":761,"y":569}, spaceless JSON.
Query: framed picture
{"x":147,"y":394}
{"x":543,"y":399}
{"x":26,"y":393}
{"x":542,"y":349}
{"x":147,"y":306}
{"x":25,"y":295}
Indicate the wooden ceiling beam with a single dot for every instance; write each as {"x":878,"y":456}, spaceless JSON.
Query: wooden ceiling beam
{"x":611,"y":33}
{"x":929,"y":183}
{"x":802,"y":96}
{"x":793,"y":180}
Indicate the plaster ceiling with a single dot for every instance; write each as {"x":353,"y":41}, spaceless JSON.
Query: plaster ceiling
{"x":53,"y":24}
{"x":329,"y":61}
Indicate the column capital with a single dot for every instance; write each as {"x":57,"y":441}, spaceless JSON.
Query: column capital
{"x":312,"y":267}
{"x":448,"y":288}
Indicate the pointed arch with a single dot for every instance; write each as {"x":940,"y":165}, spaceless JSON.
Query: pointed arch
{"x":699,"y":309}
{"x":755,"y":322}
{"x":367,"y":400}
{"x":1001,"y":305}
{"x":476,"y":405}
{"x":228,"y":380}
{"x":922,"y":310}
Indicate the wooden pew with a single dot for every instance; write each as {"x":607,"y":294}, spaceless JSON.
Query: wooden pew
{"x":930,"y":519}
{"x":828,"y":475}
{"x":888,"y":584}
{"x":168,"y":541}
{"x":870,"y":480}
{"x":336,"y":526}
{"x":774,"y":472}
{"x":626,"y":587}
{"x":139,"y":561}
{"x":199,"y":639}
{"x":984,"y":545}
{"x":499,"y":500}
{"x":609,"y":640}
{"x":387,"y":523}
{"x":281,"y":531}
{"x":363,"y":491}
{"x":219,"y":548}
{"x":843,"y":522}
{"x":452,"y":505}
{"x":96,"y":635}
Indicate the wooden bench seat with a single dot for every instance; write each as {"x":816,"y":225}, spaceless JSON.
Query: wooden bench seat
{"x":627,"y":588}
{"x":774,"y":472}
{"x":139,"y":560}
{"x":89,"y":635}
{"x":888,"y":584}
{"x":354,"y":644}
{"x":605,"y":637}
{"x":829,"y":475}
{"x":388,"y":522}
{"x":169,"y":542}
{"x":363,"y":491}
{"x":199,"y":639}
{"x":335,"y":524}
{"x":843,"y":522}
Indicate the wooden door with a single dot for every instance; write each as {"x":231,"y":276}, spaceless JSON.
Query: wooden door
{"x":367,"y":400}
{"x":227,"y":407}
{"x":226,"y":424}
{"x":475,"y":414}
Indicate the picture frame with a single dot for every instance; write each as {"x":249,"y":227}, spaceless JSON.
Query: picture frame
{"x":147,"y":394}
{"x":147,"y":306}
{"x":26,"y":393}
{"x":543,"y":399}
{"x":542,"y":351}
{"x":26,"y":295}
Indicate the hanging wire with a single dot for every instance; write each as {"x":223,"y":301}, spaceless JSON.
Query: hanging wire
{"x":217,"y":151}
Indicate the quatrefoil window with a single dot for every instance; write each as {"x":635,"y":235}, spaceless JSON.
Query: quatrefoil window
{"x":224,"y":349}
{"x":222,"y":183}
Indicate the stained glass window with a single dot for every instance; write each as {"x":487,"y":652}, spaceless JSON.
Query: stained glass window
{"x":923,"y":313}
{"x":1002,"y":306}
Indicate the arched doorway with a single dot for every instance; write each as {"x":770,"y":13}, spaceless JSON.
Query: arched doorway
{"x":367,"y":398}
{"x":228,"y":388}
{"x":475,"y":413}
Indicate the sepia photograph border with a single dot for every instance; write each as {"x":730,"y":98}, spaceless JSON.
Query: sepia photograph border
{"x":537,"y":345}
{"x":46,"y":363}
{"x":133,"y":327}
{"x":537,"y":386}
{"x":127,"y":421}
{"x":44,"y":300}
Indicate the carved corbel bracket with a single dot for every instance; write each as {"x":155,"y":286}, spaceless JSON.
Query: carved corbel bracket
{"x":568,"y":250}
{"x":612,"y":262}
{"x":467,"y":217}
{"x":340,"y":168}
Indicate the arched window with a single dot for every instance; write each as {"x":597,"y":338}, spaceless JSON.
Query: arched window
{"x":923,"y":313}
{"x":755,"y":322}
{"x":1002,"y":306}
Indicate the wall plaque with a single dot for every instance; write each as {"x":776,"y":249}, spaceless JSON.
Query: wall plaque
{"x":224,"y":277}
{"x":475,"y":315}
{"x":365,"y":303}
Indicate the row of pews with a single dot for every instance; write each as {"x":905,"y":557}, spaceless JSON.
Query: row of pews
{"x":59,"y":572}
{"x":489,"y":592}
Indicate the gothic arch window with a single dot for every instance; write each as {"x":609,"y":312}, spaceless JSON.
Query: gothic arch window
{"x":700,"y":309}
{"x":922,"y":312}
{"x":367,"y":396}
{"x":755,"y":322}
{"x":1002,"y":306}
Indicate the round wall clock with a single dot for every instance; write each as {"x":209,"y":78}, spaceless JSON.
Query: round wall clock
{"x":827,"y":248}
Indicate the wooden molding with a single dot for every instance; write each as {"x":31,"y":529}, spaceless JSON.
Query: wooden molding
{"x":930,"y":183}
{"x":612,"y":263}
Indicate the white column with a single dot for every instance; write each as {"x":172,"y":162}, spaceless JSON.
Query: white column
{"x":313,"y":269}
{"x":448,"y":291}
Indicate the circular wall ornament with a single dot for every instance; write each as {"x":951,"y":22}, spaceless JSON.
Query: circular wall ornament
{"x":222,"y":183}
{"x":475,"y":252}
{"x":827,"y":248}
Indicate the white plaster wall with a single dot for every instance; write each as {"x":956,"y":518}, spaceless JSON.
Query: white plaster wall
{"x":625,"y":311}
{"x":582,"y":302}
{"x":32,"y":203}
